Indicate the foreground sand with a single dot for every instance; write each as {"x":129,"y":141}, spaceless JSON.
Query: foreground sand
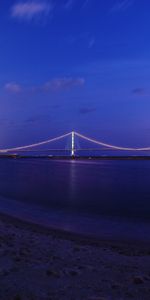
{"x":36,"y":263}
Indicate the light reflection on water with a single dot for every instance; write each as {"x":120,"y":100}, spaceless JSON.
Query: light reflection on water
{"x":94,"y":188}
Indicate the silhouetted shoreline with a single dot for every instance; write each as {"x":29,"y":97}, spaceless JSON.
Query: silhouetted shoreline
{"x":14,"y":156}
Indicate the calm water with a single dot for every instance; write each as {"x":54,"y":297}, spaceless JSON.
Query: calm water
{"x":94,"y":189}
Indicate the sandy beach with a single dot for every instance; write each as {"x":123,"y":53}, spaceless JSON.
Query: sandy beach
{"x":39,"y":263}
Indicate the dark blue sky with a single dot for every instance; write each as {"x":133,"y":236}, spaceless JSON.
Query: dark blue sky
{"x":79,"y":65}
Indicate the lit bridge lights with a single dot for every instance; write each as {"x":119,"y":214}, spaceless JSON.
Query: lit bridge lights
{"x":72,"y":134}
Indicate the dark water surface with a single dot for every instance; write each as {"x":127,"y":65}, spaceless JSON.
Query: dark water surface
{"x":95,"y":190}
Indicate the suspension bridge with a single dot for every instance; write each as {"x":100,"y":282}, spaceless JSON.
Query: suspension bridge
{"x":73,"y":146}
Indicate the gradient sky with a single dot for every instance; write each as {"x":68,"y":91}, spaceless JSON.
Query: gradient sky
{"x":79,"y":65}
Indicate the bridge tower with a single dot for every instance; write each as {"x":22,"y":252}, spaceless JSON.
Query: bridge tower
{"x":72,"y":144}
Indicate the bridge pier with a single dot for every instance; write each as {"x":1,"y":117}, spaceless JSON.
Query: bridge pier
{"x":72,"y":144}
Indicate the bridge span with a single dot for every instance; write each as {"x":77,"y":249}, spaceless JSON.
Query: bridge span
{"x":73,"y":148}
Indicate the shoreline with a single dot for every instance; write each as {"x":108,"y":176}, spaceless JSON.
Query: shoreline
{"x":76,"y":158}
{"x":63,"y":234}
{"x":73,"y":236}
{"x":78,"y":225}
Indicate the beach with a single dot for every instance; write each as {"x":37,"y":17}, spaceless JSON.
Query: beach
{"x":41,"y":263}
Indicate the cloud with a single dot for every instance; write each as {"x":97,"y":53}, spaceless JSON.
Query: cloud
{"x":87,"y":110}
{"x":85,"y":4}
{"x":37,"y":118}
{"x":29,"y":10}
{"x":65,"y":83}
{"x":139,"y":92}
{"x":85,"y":38}
{"x":69,"y":4}
{"x":7,"y":122}
{"x":13,"y":87}
{"x":91,"y":42}
{"x":54,"y":85}
{"x":121,"y":5}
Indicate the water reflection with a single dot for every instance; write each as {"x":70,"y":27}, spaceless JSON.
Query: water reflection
{"x":72,"y":180}
{"x":101,"y":188}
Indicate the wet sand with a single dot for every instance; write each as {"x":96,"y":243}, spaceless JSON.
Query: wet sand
{"x":39,"y":263}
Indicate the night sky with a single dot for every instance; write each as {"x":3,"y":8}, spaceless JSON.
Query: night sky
{"x":79,"y":65}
